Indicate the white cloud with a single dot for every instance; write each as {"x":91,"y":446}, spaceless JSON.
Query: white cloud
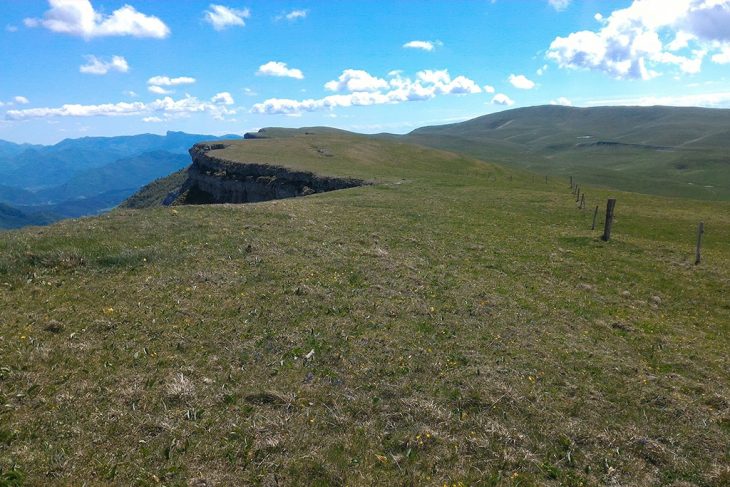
{"x":167,"y":81}
{"x":722,"y":57}
{"x":541,"y":70}
{"x":223,"y":98}
{"x":634,"y":42}
{"x":163,"y":107}
{"x":130,"y":93}
{"x":359,"y":88}
{"x":11,"y":28}
{"x":439,"y":76}
{"x":521,"y":82}
{"x":222,"y":17}
{"x":276,"y":68}
{"x":78,"y":17}
{"x":423,"y":45}
{"x":152,"y":119}
{"x":356,"y":80}
{"x":159,"y":90}
{"x":562,"y":101}
{"x":502,"y":99}
{"x":293,"y":15}
{"x":95,"y":65}
{"x":489,"y":88}
{"x":559,"y":5}
{"x":249,"y":92}
{"x":681,"y":40}
{"x":17,"y":100}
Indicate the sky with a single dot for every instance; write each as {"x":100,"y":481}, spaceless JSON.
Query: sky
{"x":75,"y":68}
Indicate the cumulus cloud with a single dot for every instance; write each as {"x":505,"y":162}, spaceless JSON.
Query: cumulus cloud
{"x":166,"y":107}
{"x":360,"y":88}
{"x":17,"y":100}
{"x":559,"y":5}
{"x":223,"y":98}
{"x":489,"y":89}
{"x":356,"y":80}
{"x":159,"y":90}
{"x":277,"y":68}
{"x":222,"y":17}
{"x":423,"y":45}
{"x":78,"y":17}
{"x":156,"y":83}
{"x":502,"y":99}
{"x":562,"y":101}
{"x":95,"y":65}
{"x":722,"y":57}
{"x":167,"y":81}
{"x":293,"y":15}
{"x":520,"y":81}
{"x":640,"y":41}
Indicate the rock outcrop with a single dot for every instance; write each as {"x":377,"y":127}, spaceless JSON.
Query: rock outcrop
{"x":214,"y":180}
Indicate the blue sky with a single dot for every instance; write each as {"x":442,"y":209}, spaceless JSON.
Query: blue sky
{"x":72,"y":68}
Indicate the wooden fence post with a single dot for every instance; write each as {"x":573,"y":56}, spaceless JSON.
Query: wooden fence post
{"x":571,"y":182}
{"x":609,"y":220}
{"x":577,"y":194}
{"x":595,"y":214}
{"x":700,"y":231}
{"x":582,"y":205}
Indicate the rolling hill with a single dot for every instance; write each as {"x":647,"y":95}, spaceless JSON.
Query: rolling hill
{"x":454,"y":322}
{"x":668,"y":151}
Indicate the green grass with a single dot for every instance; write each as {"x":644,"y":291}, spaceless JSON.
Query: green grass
{"x":667,"y":151}
{"x":467,"y":328}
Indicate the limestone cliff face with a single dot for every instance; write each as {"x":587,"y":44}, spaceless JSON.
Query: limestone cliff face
{"x":214,"y":180}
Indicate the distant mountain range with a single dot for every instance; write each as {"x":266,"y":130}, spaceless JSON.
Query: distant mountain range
{"x":671,"y":151}
{"x":77,"y":177}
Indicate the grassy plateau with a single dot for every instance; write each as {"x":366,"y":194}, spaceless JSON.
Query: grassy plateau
{"x":456,"y":323}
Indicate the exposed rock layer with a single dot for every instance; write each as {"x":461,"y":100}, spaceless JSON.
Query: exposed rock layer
{"x":214,"y":180}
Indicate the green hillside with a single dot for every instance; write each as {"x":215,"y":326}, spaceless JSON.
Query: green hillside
{"x":668,"y":151}
{"x":154,"y":193}
{"x":455,"y":323}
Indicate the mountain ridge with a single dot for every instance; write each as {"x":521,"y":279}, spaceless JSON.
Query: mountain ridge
{"x":680,"y":151}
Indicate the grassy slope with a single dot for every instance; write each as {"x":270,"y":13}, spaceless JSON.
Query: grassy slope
{"x":154,"y":193}
{"x":668,"y":150}
{"x":466,"y":324}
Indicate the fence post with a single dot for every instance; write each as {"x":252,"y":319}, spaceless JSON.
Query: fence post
{"x":609,"y":220}
{"x":577,"y":194}
{"x":571,"y":182}
{"x":700,"y":231}
{"x":595,"y":214}
{"x":582,"y":205}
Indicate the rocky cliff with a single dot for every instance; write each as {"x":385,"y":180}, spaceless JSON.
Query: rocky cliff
{"x":215,"y":180}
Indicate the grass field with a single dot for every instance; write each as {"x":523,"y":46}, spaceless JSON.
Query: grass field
{"x":456,"y":323}
{"x":667,"y":151}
